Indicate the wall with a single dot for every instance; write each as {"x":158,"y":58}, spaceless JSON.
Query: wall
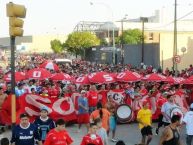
{"x":132,"y":55}
{"x":184,"y":39}
{"x":36,"y":43}
{"x":41,"y":43}
{"x":6,"y":40}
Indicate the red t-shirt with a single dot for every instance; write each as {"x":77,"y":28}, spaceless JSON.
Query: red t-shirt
{"x":92,"y":98}
{"x":53,"y":92}
{"x":143,"y":92}
{"x":179,"y":92}
{"x":58,"y":138}
{"x":161,"y":100}
{"x":103,"y":94}
{"x":88,"y":139}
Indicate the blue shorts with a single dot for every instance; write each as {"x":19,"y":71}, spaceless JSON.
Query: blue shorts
{"x":112,"y":123}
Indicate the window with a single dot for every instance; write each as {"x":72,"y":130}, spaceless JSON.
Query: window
{"x":150,"y":36}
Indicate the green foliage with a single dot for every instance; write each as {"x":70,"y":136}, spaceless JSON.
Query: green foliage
{"x":103,"y":42}
{"x":132,"y":36}
{"x":56,"y":46}
{"x":78,"y":41}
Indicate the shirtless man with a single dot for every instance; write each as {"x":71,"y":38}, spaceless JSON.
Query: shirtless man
{"x":170,"y":135}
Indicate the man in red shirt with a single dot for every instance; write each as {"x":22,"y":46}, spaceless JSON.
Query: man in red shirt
{"x":58,"y":135}
{"x":93,"y":99}
{"x":103,"y":95}
{"x":92,"y":137}
{"x":143,"y":91}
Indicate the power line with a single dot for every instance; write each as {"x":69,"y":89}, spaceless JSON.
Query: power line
{"x":173,"y":21}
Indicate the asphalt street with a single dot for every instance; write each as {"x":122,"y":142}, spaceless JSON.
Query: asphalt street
{"x":127,"y":132}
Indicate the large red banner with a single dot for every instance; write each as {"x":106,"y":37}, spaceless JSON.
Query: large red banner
{"x":31,"y":104}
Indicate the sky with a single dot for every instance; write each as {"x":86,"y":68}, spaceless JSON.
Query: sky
{"x":61,"y":16}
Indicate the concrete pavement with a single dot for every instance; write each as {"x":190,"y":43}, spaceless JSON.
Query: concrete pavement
{"x":129,"y":133}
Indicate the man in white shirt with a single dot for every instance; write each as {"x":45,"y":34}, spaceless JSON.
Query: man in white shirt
{"x":30,"y":86}
{"x":19,"y":90}
{"x":167,"y":108}
{"x":188,"y":120}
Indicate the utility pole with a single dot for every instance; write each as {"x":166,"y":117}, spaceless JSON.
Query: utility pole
{"x":122,"y":55}
{"x":143,"y":19}
{"x":122,"y":43}
{"x":175,"y":67}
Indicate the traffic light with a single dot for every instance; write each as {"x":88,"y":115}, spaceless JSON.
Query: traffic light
{"x":15,"y":12}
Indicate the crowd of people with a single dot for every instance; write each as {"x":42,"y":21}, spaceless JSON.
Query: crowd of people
{"x":96,"y":109}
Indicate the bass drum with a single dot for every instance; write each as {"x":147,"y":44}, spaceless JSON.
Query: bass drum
{"x":177,"y":111}
{"x":124,"y":113}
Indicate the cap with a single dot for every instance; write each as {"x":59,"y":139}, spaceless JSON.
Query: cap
{"x":83,"y":91}
{"x":191,"y":106}
{"x":20,"y":84}
{"x":44,"y":108}
{"x":24,"y":115}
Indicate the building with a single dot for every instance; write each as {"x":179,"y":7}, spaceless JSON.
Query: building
{"x":31,"y":44}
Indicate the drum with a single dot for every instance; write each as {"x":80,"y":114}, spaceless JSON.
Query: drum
{"x":124,"y":113}
{"x":177,"y":111}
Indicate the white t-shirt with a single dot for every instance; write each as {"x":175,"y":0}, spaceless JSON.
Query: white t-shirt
{"x":30,"y":87}
{"x":103,"y":134}
{"x":167,"y":108}
{"x":188,"y":119}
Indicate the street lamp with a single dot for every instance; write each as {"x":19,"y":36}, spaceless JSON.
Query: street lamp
{"x":109,"y":8}
{"x":143,"y":20}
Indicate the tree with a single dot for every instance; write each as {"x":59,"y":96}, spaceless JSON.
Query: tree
{"x":77,"y":42}
{"x":132,"y":36}
{"x":103,"y":42}
{"x":56,"y":46}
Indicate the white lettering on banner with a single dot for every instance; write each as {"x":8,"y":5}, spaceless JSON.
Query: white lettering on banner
{"x":147,"y":76}
{"x":121,"y":75}
{"x":31,"y":112}
{"x":37,"y":74}
{"x":80,"y":79}
{"x":32,"y":99}
{"x":56,"y":106}
{"x":118,"y":97}
{"x":136,"y":74}
{"x":91,"y":75}
{"x":67,"y":76}
{"x":161,"y":76}
{"x":108,"y":78}
{"x":178,"y":80}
